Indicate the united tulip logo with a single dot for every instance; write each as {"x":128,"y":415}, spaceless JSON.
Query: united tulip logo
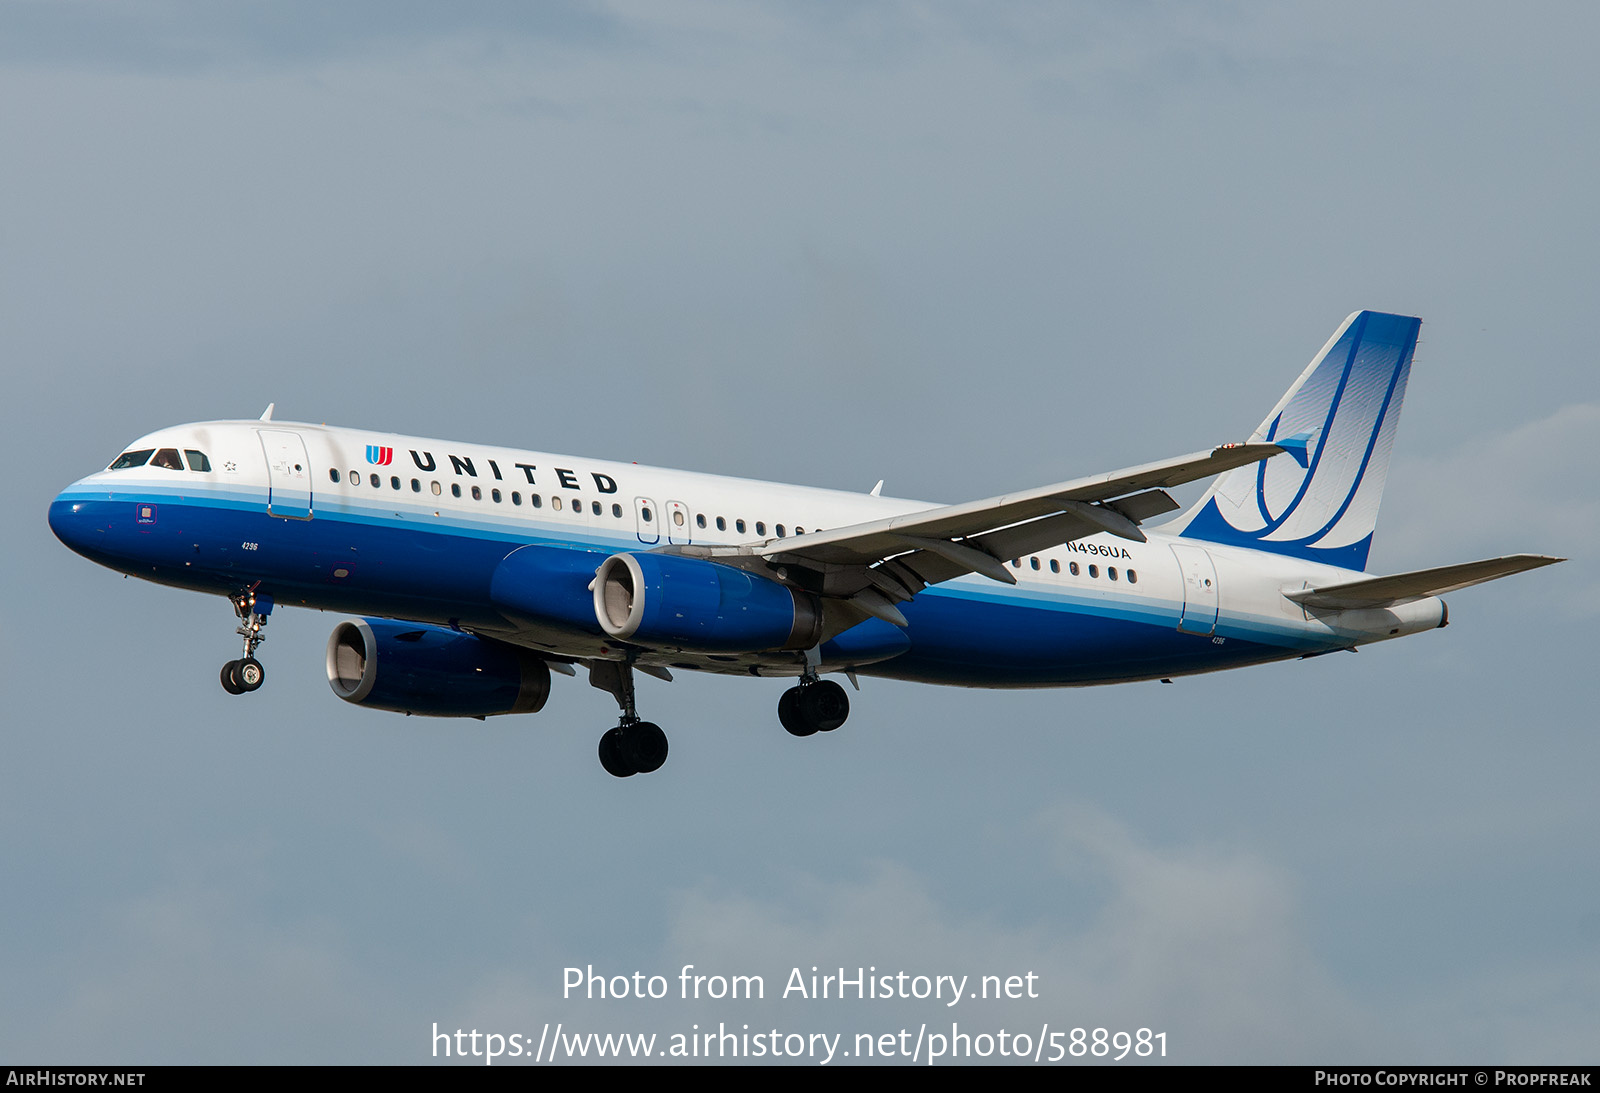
{"x":379,"y":457}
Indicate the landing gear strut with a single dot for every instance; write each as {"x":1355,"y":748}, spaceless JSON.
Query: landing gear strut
{"x":634,"y":746}
{"x":816,"y":705}
{"x":247,"y":673}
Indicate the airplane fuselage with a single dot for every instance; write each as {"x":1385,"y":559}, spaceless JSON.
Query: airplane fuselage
{"x":409,"y":528}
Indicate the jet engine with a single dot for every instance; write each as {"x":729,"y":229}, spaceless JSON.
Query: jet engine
{"x":416,"y":669}
{"x":670,"y":600}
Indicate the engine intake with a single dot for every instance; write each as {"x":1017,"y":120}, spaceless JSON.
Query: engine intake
{"x":416,"y":669}
{"x":667,"y":599}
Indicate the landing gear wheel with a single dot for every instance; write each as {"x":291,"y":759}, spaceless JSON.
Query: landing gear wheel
{"x":789,"y":715}
{"x":823,"y":704}
{"x":611,"y":755}
{"x":644,"y":745}
{"x":250,"y":673}
{"x":246,"y":673}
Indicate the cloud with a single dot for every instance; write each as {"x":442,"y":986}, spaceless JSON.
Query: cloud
{"x":1527,"y":490}
{"x":1203,"y":944}
{"x":189,"y":974}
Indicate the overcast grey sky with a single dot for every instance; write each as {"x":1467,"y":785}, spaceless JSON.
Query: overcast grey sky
{"x":959,"y":248}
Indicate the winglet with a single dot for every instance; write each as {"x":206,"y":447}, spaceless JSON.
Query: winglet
{"x":266,"y":415}
{"x":1296,"y":447}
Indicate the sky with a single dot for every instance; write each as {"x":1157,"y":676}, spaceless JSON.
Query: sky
{"x":961,"y":248}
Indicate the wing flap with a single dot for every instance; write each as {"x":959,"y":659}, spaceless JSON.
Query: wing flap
{"x":864,"y":544}
{"x":1418,"y":584}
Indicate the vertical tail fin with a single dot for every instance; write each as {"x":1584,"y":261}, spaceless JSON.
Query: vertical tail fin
{"x":1337,"y":425}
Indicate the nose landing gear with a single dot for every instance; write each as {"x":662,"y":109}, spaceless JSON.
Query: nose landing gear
{"x":247,"y":673}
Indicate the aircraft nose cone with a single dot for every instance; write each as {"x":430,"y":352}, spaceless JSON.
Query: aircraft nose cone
{"x":71,"y":523}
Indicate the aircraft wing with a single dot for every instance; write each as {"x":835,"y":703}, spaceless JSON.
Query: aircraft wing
{"x":1418,"y":584}
{"x":881,"y":562}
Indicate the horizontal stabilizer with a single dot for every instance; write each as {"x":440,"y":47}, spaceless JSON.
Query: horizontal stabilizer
{"x":1419,"y":584}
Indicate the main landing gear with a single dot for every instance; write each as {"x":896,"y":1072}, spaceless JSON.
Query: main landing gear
{"x":634,"y":746}
{"x":816,"y":705}
{"x":247,"y":674}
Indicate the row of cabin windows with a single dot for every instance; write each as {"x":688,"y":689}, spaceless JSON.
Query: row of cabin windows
{"x":1072,"y":568}
{"x":536,"y":501}
{"x":166,"y":458}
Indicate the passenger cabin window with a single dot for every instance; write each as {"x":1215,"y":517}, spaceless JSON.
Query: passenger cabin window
{"x":377,"y":483}
{"x":1055,"y":566}
{"x":1034,"y":562}
{"x":131,"y":459}
{"x":761,"y":527}
{"x":333,"y":474}
{"x":739,"y":526}
{"x":1094,"y":571}
{"x":1072,"y":567}
{"x":595,"y":507}
{"x":700,"y":520}
{"x":167,"y":459}
{"x":616,"y":510}
{"x":1133,"y":578}
{"x":197,"y":460}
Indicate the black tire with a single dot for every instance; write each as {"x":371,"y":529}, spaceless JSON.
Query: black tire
{"x":230,"y":678}
{"x":644,"y":746}
{"x":250,"y":673}
{"x":611,"y":755}
{"x":789,"y":714}
{"x":824,"y":705}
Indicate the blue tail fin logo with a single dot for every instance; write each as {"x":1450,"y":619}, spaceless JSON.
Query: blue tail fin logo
{"x":1336,"y":425}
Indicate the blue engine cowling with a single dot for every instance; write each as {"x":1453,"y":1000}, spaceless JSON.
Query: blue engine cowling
{"x":550,"y":584}
{"x":415,"y":669}
{"x":667,"y":599}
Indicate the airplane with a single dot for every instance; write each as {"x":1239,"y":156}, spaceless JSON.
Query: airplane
{"x":477,"y":571}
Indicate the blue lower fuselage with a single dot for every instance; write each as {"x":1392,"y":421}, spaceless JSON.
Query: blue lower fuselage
{"x":967,"y":633}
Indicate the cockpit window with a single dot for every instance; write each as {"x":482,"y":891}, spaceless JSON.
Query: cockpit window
{"x":131,"y":459}
{"x":167,"y":458}
{"x":197,"y":460}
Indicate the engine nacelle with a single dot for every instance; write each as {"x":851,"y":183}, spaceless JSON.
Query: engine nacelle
{"x":548,"y":584}
{"x":415,"y":669}
{"x":667,"y":599}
